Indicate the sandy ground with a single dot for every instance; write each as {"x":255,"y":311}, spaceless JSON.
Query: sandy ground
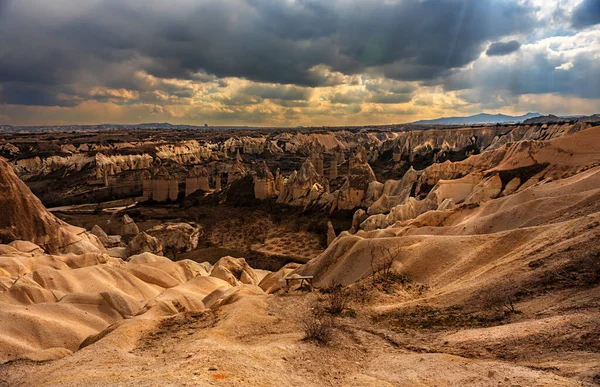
{"x":258,"y":341}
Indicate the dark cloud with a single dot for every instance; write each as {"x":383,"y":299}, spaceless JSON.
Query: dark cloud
{"x":586,"y":14}
{"x":105,"y":42}
{"x":534,"y":73}
{"x":36,"y":95}
{"x":503,"y":48}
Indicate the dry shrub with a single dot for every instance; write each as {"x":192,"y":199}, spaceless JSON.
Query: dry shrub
{"x":500,"y":303}
{"x":382,"y":261}
{"x":338,"y":298}
{"x":318,"y":326}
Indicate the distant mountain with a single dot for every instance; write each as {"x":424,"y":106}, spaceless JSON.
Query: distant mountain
{"x":482,"y":118}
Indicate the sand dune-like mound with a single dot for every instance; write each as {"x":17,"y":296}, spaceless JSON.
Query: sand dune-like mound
{"x":51,"y":304}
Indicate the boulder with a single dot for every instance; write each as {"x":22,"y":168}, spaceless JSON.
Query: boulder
{"x":144,"y":243}
{"x":176,"y":237}
{"x":235,"y":271}
{"x":118,"y":252}
{"x":128,"y":227}
{"x":107,"y":240}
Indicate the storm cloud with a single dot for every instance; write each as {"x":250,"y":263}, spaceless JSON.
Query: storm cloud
{"x":586,"y":14}
{"x":243,"y":53}
{"x":259,"y":40}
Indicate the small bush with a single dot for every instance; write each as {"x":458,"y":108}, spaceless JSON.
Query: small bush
{"x":338,"y":299}
{"x":501,"y":303}
{"x":318,"y":326}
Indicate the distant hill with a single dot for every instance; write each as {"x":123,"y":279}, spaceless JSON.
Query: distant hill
{"x":554,"y":119}
{"x":482,"y":118}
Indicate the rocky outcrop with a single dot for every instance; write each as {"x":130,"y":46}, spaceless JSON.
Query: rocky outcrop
{"x":23,"y":217}
{"x":317,"y":161}
{"x":185,"y":152}
{"x":107,"y":240}
{"x":235,"y":271}
{"x":394,"y":192}
{"x":197,"y":179}
{"x":147,"y":185}
{"x":164,"y":186}
{"x":176,"y":238}
{"x":143,"y":243}
{"x":264,"y":182}
{"x":218,"y":182}
{"x":237,"y":170}
{"x":359,"y":216}
{"x":303,"y":187}
{"x":116,"y":164}
{"x":333,"y":169}
{"x":249,"y":145}
{"x":128,"y":227}
{"x":330,"y":233}
{"x":354,"y":191}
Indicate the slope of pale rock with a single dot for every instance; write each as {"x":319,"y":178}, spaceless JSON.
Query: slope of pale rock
{"x":480,"y":177}
{"x":495,"y":231}
{"x":53,"y":303}
{"x":235,"y":271}
{"x":23,"y":217}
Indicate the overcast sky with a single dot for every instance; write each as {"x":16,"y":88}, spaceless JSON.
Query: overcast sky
{"x":294,"y":62}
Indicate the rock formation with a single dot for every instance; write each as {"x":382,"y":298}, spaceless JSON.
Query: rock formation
{"x":360,"y":176}
{"x":237,"y":170}
{"x":264,"y":182}
{"x":23,"y":217}
{"x":147,"y":185}
{"x":333,"y":169}
{"x":317,"y":161}
{"x":235,"y":271}
{"x":176,"y":238}
{"x":164,"y":186}
{"x":330,"y":233}
{"x":128,"y":227}
{"x":197,"y":180}
{"x":107,"y":240}
{"x":303,"y":186}
{"x":218,"y":182}
{"x":144,"y":243}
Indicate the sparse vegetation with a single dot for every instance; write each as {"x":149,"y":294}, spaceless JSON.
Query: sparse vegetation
{"x":501,"y":304}
{"x":382,"y":261}
{"x":318,"y":326}
{"x":338,"y":298}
